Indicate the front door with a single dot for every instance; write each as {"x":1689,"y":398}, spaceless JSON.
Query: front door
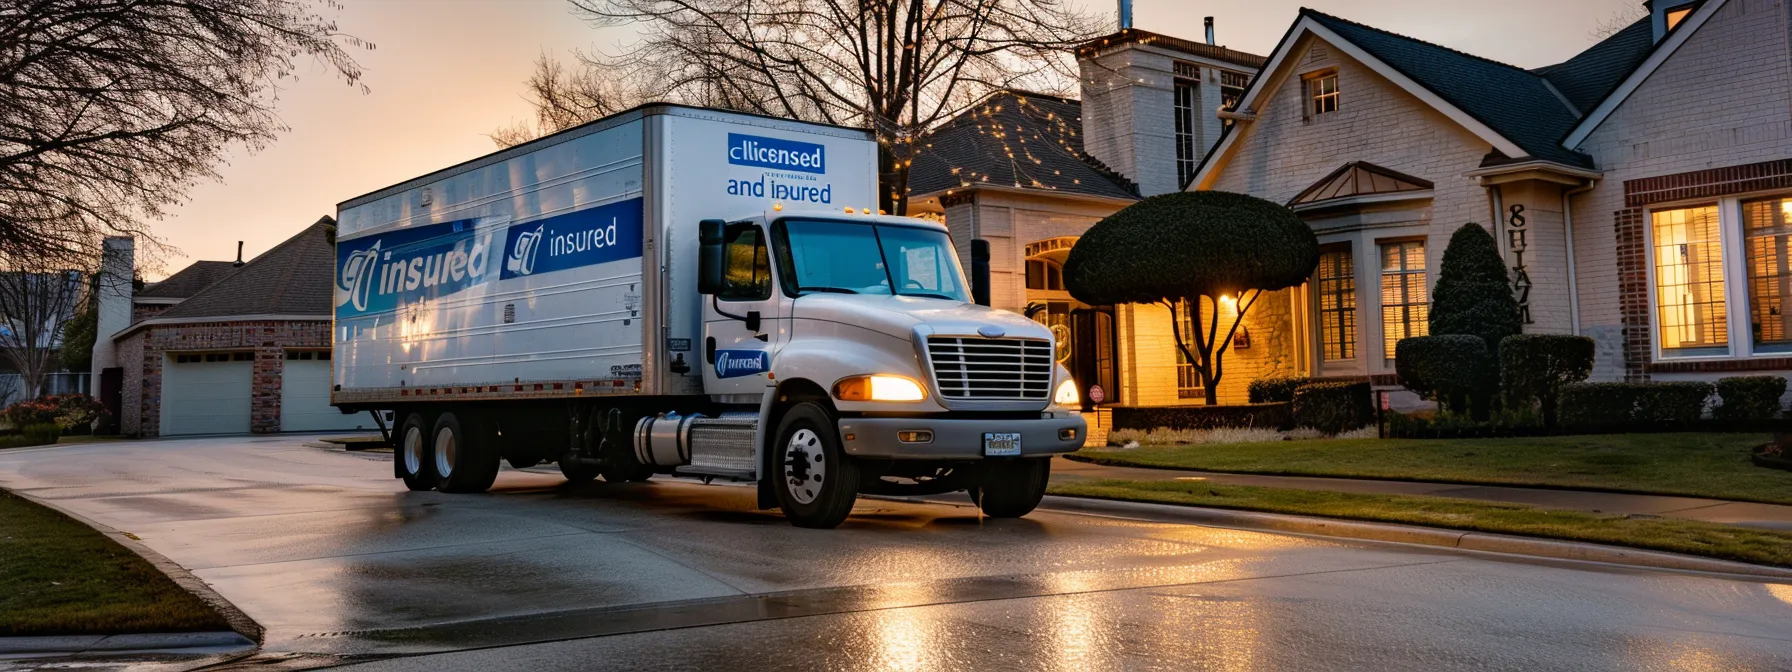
{"x":746,"y":322}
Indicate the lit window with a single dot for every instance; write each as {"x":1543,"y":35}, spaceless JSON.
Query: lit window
{"x":1689,"y":280}
{"x":1405,"y":304}
{"x":1186,"y":120}
{"x":1675,"y":16}
{"x":1768,"y":226}
{"x":1188,"y":381}
{"x":1322,"y":92}
{"x":1337,"y":305}
{"x":1045,"y":275}
{"x":1232,"y":88}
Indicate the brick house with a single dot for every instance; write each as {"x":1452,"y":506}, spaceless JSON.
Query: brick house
{"x":1641,"y":191}
{"x":223,"y":347}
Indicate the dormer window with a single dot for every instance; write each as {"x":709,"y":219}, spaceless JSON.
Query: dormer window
{"x":1322,"y":93}
{"x":1675,"y":16}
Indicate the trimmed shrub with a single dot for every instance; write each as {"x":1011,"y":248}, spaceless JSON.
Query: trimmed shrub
{"x":1457,"y":426}
{"x":1473,"y":296}
{"x":1749,"y":398}
{"x":1333,"y":407}
{"x":1271,"y":390}
{"x":1633,"y":406}
{"x":1534,"y":367}
{"x":1449,"y":367}
{"x":70,"y":411}
{"x":39,"y":434}
{"x":1148,"y":418}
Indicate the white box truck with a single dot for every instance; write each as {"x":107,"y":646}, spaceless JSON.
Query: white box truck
{"x":692,"y":292}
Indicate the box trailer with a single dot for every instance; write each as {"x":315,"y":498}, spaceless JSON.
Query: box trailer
{"x":691,"y":292}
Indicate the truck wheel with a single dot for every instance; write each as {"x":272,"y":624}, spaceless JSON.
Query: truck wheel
{"x":577,"y":474}
{"x":466,"y":454}
{"x":1013,"y":489}
{"x":412,"y":459}
{"x":815,"y":481}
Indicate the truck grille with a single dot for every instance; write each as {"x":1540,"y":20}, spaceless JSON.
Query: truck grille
{"x":991,"y":369}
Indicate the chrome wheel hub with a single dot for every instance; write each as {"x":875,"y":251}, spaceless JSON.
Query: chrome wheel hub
{"x":805,"y":466}
{"x":445,"y":452}
{"x":413,"y":450}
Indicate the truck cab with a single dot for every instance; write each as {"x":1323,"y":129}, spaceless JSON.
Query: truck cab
{"x":878,"y":373}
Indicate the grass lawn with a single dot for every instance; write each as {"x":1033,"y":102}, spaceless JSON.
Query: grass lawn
{"x":60,"y":577}
{"x":1727,"y":542}
{"x":1698,"y":465}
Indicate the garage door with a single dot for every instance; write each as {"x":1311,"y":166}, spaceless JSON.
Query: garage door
{"x":305,"y":396}
{"x":206,"y":393}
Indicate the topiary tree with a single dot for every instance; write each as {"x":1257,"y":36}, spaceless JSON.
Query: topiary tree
{"x":1535,"y":367}
{"x":1473,"y":296}
{"x":1448,"y":367}
{"x":1187,"y":251}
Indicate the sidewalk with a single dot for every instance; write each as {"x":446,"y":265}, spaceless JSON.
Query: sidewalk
{"x":1747,"y":514}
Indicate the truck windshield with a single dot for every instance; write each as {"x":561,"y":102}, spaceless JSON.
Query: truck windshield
{"x":854,"y":258}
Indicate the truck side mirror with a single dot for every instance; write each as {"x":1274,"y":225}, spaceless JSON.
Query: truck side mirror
{"x":980,"y":271}
{"x":709,"y":256}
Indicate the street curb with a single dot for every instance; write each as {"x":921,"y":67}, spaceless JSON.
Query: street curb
{"x":1414,"y":535}
{"x":239,"y":622}
{"x":208,"y":643}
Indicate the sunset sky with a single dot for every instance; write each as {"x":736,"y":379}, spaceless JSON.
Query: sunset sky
{"x":447,"y":72}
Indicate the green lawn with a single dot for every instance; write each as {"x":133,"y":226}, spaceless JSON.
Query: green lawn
{"x":60,"y":577}
{"x":1663,"y":534}
{"x":1699,"y":465}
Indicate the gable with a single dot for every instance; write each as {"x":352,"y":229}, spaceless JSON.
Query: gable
{"x":1688,"y":30}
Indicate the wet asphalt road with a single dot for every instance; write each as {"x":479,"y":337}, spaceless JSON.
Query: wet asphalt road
{"x":342,"y":566}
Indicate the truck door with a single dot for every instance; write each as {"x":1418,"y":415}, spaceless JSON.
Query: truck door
{"x":748,"y":320}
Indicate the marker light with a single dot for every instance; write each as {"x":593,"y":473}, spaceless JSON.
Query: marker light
{"x":878,"y":388}
{"x":849,"y":211}
{"x":1066,"y":394}
{"x":777,"y":207}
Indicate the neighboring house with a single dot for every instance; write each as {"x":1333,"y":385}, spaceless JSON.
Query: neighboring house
{"x":1641,"y":191}
{"x":1030,"y":173}
{"x":218,"y":348}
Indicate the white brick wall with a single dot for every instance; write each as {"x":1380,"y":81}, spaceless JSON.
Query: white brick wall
{"x":1723,"y":99}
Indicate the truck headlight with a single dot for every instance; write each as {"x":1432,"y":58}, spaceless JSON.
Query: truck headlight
{"x":879,"y":387}
{"x":1066,"y":394}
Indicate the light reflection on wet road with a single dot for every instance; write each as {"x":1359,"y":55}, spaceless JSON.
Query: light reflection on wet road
{"x":326,"y":550}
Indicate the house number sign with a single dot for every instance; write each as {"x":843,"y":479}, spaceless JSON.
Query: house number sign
{"x":1517,"y":239}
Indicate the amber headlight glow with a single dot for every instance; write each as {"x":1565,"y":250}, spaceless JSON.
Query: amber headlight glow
{"x":1066,"y":394}
{"x":878,"y":387}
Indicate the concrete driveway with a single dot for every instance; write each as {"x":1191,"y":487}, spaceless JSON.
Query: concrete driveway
{"x":341,"y":565}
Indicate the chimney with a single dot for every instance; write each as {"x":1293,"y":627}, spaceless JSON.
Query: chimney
{"x":1125,"y":14}
{"x":117,"y":268}
{"x":1209,"y":22}
{"x":239,"y":254}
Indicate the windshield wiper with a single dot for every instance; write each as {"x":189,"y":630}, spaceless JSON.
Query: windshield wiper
{"x":931,"y":295}
{"x":830,"y":290}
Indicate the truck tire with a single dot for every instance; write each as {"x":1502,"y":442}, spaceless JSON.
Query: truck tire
{"x":1012,"y":489}
{"x":412,"y":459}
{"x":466,"y":454}
{"x":577,"y":474}
{"x":815,"y":481}
{"x":615,"y":445}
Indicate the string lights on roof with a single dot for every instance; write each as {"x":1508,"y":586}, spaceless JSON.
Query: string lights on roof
{"x":1021,"y":156}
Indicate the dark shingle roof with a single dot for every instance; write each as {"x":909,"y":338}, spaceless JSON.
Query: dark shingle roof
{"x":1591,"y":75}
{"x":294,"y":278}
{"x":1015,"y":139}
{"x":1513,"y":102}
{"x":198,"y":276}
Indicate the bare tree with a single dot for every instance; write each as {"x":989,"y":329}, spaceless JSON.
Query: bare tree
{"x":36,"y":303}
{"x":566,"y":97}
{"x":1619,"y":20}
{"x":110,"y":110}
{"x":897,"y":67}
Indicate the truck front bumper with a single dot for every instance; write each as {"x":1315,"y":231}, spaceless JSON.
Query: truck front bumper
{"x":1053,"y":433}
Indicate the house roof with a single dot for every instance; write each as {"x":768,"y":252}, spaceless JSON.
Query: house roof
{"x":1516,"y":103}
{"x":1359,"y":178}
{"x":1136,"y":36}
{"x":1591,"y":75}
{"x":295,"y":278}
{"x":197,"y":276}
{"x":1015,"y":139}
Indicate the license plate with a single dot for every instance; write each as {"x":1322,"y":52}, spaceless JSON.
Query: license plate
{"x":1001,"y":444}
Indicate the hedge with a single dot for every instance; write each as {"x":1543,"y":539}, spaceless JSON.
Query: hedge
{"x":1333,"y":407}
{"x":1147,"y":418}
{"x":1534,"y":367}
{"x":1633,"y":406}
{"x":1749,"y":398}
{"x":1450,"y":367}
{"x":1271,"y":390}
{"x":39,"y":434}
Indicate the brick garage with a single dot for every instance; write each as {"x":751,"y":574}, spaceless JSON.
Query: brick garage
{"x":264,"y":316}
